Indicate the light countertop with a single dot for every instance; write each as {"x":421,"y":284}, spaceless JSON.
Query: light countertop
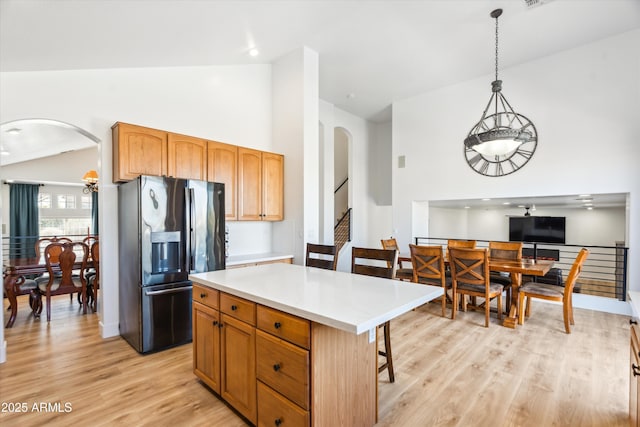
{"x":251,"y":258}
{"x":350,"y":302}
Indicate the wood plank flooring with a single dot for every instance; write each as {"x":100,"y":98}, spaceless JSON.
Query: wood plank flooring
{"x":448,"y":373}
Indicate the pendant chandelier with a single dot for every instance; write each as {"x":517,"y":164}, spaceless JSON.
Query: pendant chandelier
{"x":90,"y":180}
{"x":500,"y":131}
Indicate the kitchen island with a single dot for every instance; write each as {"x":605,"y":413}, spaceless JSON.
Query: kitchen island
{"x":290,"y":345}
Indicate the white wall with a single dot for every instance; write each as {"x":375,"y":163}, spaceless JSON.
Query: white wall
{"x":598,"y":227}
{"x":585,"y":103}
{"x":225,"y":103}
{"x":67,"y":167}
{"x":295,"y":134}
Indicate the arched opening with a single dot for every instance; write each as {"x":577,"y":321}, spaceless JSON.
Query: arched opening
{"x":54,"y":155}
{"x":341,"y":195}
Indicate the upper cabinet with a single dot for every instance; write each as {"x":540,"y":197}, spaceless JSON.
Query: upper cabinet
{"x":186,"y":157}
{"x":253,"y":179}
{"x":260,"y":185}
{"x":138,"y":151}
{"x":222,"y":166}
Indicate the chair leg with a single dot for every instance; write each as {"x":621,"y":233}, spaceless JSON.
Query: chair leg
{"x":48,"y":308}
{"x":521,"y":296}
{"x":500,"y":306}
{"x":565,"y":315}
{"x":444,"y":302}
{"x":387,"y":352}
{"x":454,"y":304}
{"x":487,"y":309}
{"x":528,"y":308}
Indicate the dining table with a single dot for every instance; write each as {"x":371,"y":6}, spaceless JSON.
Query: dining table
{"x":516,"y":268}
{"x":15,"y":272}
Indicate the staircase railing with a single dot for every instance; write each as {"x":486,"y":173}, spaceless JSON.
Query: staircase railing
{"x":342,"y":231}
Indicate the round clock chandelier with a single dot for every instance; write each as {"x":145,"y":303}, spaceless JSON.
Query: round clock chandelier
{"x":502,"y":141}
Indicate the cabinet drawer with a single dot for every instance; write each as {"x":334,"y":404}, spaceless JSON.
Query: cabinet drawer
{"x":284,"y":367}
{"x":239,"y":308}
{"x":286,"y":326}
{"x":274,"y":409}
{"x":206,"y":296}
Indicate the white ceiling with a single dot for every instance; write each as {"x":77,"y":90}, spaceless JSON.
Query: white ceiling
{"x":380,"y":51}
{"x":572,"y":201}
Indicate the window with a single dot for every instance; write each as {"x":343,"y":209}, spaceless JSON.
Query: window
{"x":44,"y":201}
{"x":66,"y":201}
{"x":85,"y":202}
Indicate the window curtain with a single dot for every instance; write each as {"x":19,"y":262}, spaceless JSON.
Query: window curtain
{"x":94,"y":212}
{"x":24,"y":217}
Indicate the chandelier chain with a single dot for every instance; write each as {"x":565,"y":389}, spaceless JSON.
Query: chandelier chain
{"x":496,"y":48}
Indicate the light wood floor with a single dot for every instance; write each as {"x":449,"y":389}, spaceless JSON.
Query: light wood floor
{"x":448,"y":373}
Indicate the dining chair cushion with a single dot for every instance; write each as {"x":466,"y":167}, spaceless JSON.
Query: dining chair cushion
{"x":56,"y":284}
{"x":543,"y":289}
{"x":27,"y":285}
{"x":493,"y":287}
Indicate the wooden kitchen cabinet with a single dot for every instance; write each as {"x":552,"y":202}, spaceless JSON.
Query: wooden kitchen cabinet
{"x":186,"y":157}
{"x":206,"y":336}
{"x":138,"y":150}
{"x":222,"y":166}
{"x":634,"y":375}
{"x":260,"y":185}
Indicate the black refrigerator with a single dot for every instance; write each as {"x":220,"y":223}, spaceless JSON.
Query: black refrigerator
{"x":167,"y":228}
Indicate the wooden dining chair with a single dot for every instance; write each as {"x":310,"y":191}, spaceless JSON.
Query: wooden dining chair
{"x":93,"y":280}
{"x":553,"y":293}
{"x":470,"y":276}
{"x":466,"y":244}
{"x":402,"y":272}
{"x":61,"y":257}
{"x":505,"y":250}
{"x":378,"y":263}
{"x":321,"y":256}
{"x":428,"y":268}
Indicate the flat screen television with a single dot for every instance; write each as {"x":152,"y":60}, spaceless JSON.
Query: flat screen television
{"x":540,"y":229}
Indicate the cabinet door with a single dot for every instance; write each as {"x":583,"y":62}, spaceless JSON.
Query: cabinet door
{"x":186,"y":157}
{"x":222,"y":165}
{"x":238,"y":364}
{"x":138,"y":151}
{"x":206,"y":345}
{"x":249,"y":184}
{"x":272,"y":187}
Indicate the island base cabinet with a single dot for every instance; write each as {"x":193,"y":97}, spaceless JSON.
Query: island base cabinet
{"x":238,"y":366}
{"x":276,"y":410}
{"x":206,"y":345}
{"x":344,"y":378}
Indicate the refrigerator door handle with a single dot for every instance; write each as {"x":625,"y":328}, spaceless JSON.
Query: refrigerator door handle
{"x":187,"y":230}
{"x":169,"y":291}
{"x":192,"y":227}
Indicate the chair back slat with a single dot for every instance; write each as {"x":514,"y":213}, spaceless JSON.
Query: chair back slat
{"x":321,"y":256}
{"x":467,"y":244}
{"x":575,"y":271}
{"x":505,"y":250}
{"x":469,"y":265}
{"x":363,"y":262}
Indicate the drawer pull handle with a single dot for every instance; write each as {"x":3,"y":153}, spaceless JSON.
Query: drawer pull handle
{"x":278,"y":421}
{"x":203,"y":295}
{"x":277,"y":325}
{"x":633,"y":322}
{"x":635,"y":368}
{"x":234,"y":307}
{"x":276,"y":367}
{"x":220,"y":325}
{"x":215,"y":323}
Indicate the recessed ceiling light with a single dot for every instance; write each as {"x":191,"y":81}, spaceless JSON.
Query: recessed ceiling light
{"x":485,"y":200}
{"x":253,"y":52}
{"x":590,"y":208}
{"x":584,"y":195}
{"x":521,"y":206}
{"x":14,"y":131}
{"x":587,"y":200}
{"x":467,"y":207}
{"x":506,"y":203}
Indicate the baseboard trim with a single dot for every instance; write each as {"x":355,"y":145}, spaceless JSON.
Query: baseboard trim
{"x":109,"y":330}
{"x":3,"y":352}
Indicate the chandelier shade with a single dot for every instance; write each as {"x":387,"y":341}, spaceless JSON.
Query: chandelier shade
{"x":90,"y":179}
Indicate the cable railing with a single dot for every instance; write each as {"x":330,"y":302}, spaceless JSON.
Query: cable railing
{"x":24,"y":246}
{"x":604,"y":273}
